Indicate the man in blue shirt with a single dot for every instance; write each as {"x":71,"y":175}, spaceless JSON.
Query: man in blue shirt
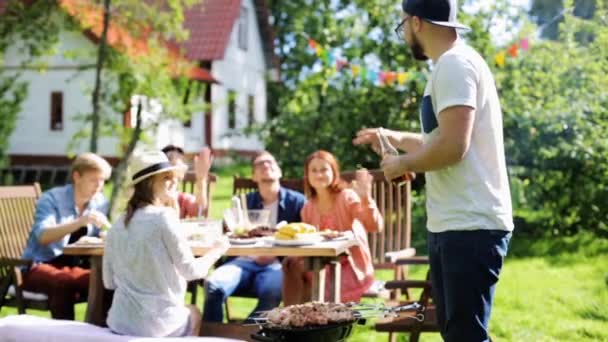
{"x":63,"y":215}
{"x":260,"y":276}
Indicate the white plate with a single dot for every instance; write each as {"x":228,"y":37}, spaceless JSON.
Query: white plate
{"x":297,"y":242}
{"x":346,"y":235}
{"x":247,"y":241}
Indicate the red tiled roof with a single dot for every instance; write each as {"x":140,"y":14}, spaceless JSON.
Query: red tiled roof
{"x":90,"y":18}
{"x":210,"y":25}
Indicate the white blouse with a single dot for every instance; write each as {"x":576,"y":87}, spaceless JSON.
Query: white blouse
{"x":148,"y":264}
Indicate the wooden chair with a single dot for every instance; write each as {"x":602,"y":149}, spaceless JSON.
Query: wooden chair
{"x":416,"y":322}
{"x":188,"y":186}
{"x":17,"y":208}
{"x":395,"y":203}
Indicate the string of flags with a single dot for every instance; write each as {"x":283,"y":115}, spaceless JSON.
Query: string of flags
{"x":382,"y":78}
{"x":359,"y":71}
{"x":513,"y":51}
{"x":333,"y":60}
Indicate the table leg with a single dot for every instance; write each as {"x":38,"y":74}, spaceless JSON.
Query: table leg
{"x":318,"y":279}
{"x":95,"y":312}
{"x":336,"y":271}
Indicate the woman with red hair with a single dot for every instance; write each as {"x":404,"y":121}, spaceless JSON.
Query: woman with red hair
{"x":333,"y":205}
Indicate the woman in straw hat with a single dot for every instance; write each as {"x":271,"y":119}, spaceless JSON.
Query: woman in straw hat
{"x":148,"y":261}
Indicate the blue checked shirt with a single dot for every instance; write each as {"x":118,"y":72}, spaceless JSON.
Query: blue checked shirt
{"x":56,"y":206}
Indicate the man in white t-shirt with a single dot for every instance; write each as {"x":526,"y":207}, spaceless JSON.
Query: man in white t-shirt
{"x":461,"y":152}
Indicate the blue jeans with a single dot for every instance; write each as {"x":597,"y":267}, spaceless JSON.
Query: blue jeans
{"x":464,"y":268}
{"x":243,"y":276}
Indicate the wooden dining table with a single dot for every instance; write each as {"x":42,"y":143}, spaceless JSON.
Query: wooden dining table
{"x":316,"y":256}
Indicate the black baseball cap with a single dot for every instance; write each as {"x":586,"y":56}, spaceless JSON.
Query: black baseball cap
{"x":437,"y":12}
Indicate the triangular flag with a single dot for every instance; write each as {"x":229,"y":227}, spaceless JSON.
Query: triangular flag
{"x":312,"y":44}
{"x":363,"y":72}
{"x":524,"y":44}
{"x":401,"y":77}
{"x":341,"y":63}
{"x":390,"y":77}
{"x":355,"y":70}
{"x":325,"y":57}
{"x":319,"y":50}
{"x":382,"y":77}
{"x":372,"y":75}
{"x":331,"y":59}
{"x":500,"y":59}
{"x":513,"y":50}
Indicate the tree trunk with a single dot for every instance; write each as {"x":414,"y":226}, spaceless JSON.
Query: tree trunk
{"x":120,"y":169}
{"x":100,"y":59}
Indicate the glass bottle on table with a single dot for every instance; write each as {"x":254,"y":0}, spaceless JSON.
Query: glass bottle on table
{"x":387,"y":149}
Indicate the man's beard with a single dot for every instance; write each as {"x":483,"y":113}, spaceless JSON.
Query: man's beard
{"x":417,"y":50}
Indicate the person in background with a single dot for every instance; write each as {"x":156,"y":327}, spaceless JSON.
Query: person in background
{"x":147,"y":260}
{"x":461,"y":152}
{"x":192,"y":205}
{"x":259,"y":276}
{"x":63,"y":215}
{"x":332,"y":205}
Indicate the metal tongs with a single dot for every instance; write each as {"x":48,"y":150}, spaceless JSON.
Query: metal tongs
{"x":386,"y":148}
{"x":381,"y":310}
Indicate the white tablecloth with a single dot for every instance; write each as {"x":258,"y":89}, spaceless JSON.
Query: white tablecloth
{"x":26,"y":328}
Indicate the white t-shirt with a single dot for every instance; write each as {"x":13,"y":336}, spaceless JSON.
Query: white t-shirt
{"x":473,"y":193}
{"x":274,"y":212}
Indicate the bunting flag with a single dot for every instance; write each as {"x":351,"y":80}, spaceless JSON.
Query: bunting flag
{"x":355,"y":69}
{"x":524,"y":44}
{"x":331,"y":58}
{"x":401,"y":78}
{"x":500,"y":59}
{"x":513,"y":51}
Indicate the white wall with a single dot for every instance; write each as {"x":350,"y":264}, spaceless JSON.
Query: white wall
{"x":243,"y":72}
{"x":33,"y":136}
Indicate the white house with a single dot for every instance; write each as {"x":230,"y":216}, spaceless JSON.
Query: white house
{"x":230,"y":39}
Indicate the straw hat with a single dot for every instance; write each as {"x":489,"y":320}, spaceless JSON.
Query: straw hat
{"x":148,"y":163}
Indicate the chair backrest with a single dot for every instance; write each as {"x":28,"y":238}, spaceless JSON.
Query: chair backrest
{"x":189,"y":181}
{"x":47,"y":175}
{"x":17,"y":208}
{"x":242,"y":185}
{"x":394,"y":202}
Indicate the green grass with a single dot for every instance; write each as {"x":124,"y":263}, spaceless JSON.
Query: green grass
{"x":550,"y":290}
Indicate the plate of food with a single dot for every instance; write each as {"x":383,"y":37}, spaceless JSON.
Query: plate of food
{"x":336,"y":235}
{"x":250,"y":236}
{"x":296,"y":234}
{"x":298,"y":241}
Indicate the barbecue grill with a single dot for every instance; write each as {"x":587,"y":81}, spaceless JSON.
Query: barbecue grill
{"x":331,"y":332}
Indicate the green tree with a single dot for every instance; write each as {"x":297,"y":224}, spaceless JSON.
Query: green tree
{"x":556,"y":115}
{"x":36,"y":27}
{"x":150,"y":75}
{"x":544,"y":11}
{"x":324,"y":109}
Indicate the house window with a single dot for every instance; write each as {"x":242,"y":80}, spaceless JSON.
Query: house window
{"x":251,"y":116}
{"x":56,"y":111}
{"x":243,"y":29}
{"x":231,"y":109}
